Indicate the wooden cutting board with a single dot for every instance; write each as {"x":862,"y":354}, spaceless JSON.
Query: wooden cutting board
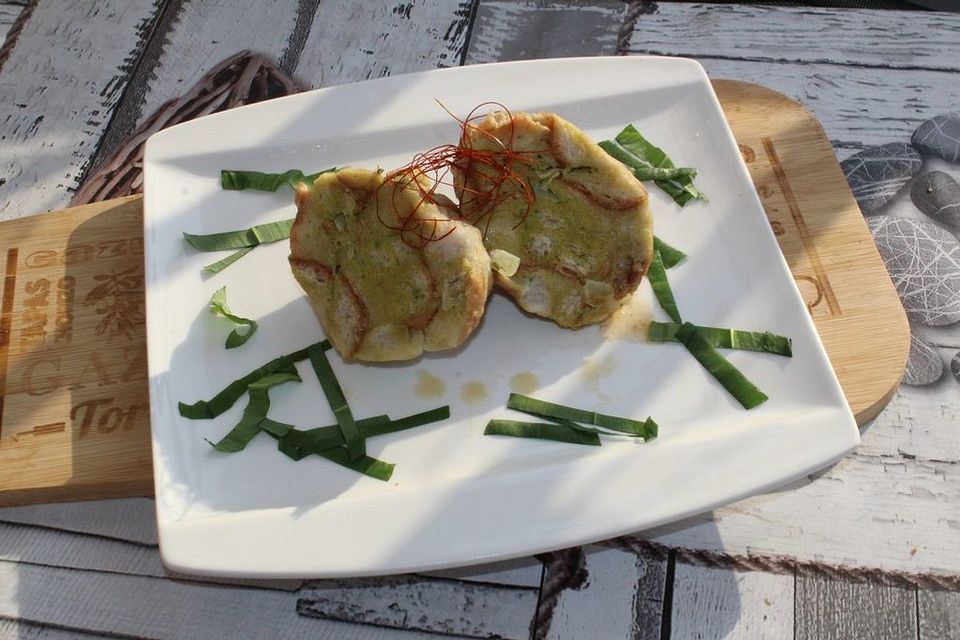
{"x":74,"y":419}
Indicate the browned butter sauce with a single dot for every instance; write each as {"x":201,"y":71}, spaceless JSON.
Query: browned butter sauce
{"x":429,"y":385}
{"x":594,"y":369}
{"x":629,"y":322}
{"x":525,"y":383}
{"x":473,"y":392}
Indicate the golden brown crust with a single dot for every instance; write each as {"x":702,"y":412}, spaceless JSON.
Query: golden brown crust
{"x":377,"y":298}
{"x":586,"y":241}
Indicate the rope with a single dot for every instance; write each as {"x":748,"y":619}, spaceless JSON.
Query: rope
{"x":788,"y":566}
{"x":14,"y":34}
{"x":562,"y":570}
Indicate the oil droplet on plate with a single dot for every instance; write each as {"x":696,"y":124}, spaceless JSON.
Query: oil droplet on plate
{"x":595,"y":368}
{"x":525,"y":383}
{"x":473,"y":392}
{"x":429,"y":385}
{"x":598,"y":367}
{"x":629,"y":322}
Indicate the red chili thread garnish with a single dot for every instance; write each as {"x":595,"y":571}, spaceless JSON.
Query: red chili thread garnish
{"x":489,"y":180}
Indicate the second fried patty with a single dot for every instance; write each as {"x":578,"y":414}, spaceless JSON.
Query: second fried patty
{"x":586,"y":241}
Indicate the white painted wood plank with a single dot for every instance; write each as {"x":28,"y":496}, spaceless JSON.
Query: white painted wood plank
{"x":50,"y":547}
{"x":19,"y":630}
{"x":352,"y":41}
{"x":200,"y":35}
{"x":715,"y":604}
{"x":523,"y":572}
{"x":834,"y":610}
{"x":147,"y":607}
{"x":205,"y":33}
{"x":528,"y":29}
{"x":24,"y":543}
{"x":467,"y":609}
{"x":622,"y":598}
{"x":881,"y":38}
{"x":8,"y":15}
{"x":130,"y":519}
{"x":858,"y":107}
{"x":60,"y":84}
{"x":903,"y":483}
{"x":939,"y":615}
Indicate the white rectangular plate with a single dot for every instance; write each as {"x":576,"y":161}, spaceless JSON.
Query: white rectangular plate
{"x":458,"y":497}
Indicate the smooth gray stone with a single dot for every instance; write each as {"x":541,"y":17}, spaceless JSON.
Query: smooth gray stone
{"x":937,"y":194}
{"x":878,"y":173}
{"x":924,"y":365}
{"x":924,"y":264}
{"x":939,"y":136}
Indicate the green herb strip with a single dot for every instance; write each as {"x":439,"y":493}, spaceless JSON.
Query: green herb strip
{"x":720,"y":368}
{"x":341,"y":410}
{"x":409,"y":422}
{"x":220,"y":265}
{"x":642,"y":169}
{"x":218,"y":305}
{"x":241,"y":238}
{"x":206,"y":409}
{"x":298,"y":444}
{"x":657,"y":275}
{"x":541,"y":431}
{"x":761,"y":341}
{"x":681,"y":189}
{"x":646,"y":429}
{"x":234,"y":180}
{"x":327,"y":441}
{"x":671,"y":256}
{"x":254,"y":413}
{"x":276,"y":429}
{"x":365,"y":464}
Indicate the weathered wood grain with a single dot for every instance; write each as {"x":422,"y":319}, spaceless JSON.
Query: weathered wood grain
{"x":352,"y":41}
{"x":828,"y":610}
{"x":60,"y":84}
{"x":884,"y":39}
{"x":858,"y":105}
{"x":129,"y":519}
{"x":19,"y":630}
{"x":146,"y":607}
{"x":619,"y":583}
{"x":37,"y":545}
{"x":722,"y":604}
{"x":527,"y":29}
{"x":195,"y":36}
{"x":49,"y":547}
{"x":8,"y":15}
{"x":910,"y":506}
{"x":463,"y":609}
{"x":938,"y":614}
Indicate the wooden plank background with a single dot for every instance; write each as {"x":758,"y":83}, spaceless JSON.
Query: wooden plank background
{"x":77,"y":78}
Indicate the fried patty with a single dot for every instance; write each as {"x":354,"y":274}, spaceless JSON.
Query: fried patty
{"x":377,"y":297}
{"x":586,"y":241}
